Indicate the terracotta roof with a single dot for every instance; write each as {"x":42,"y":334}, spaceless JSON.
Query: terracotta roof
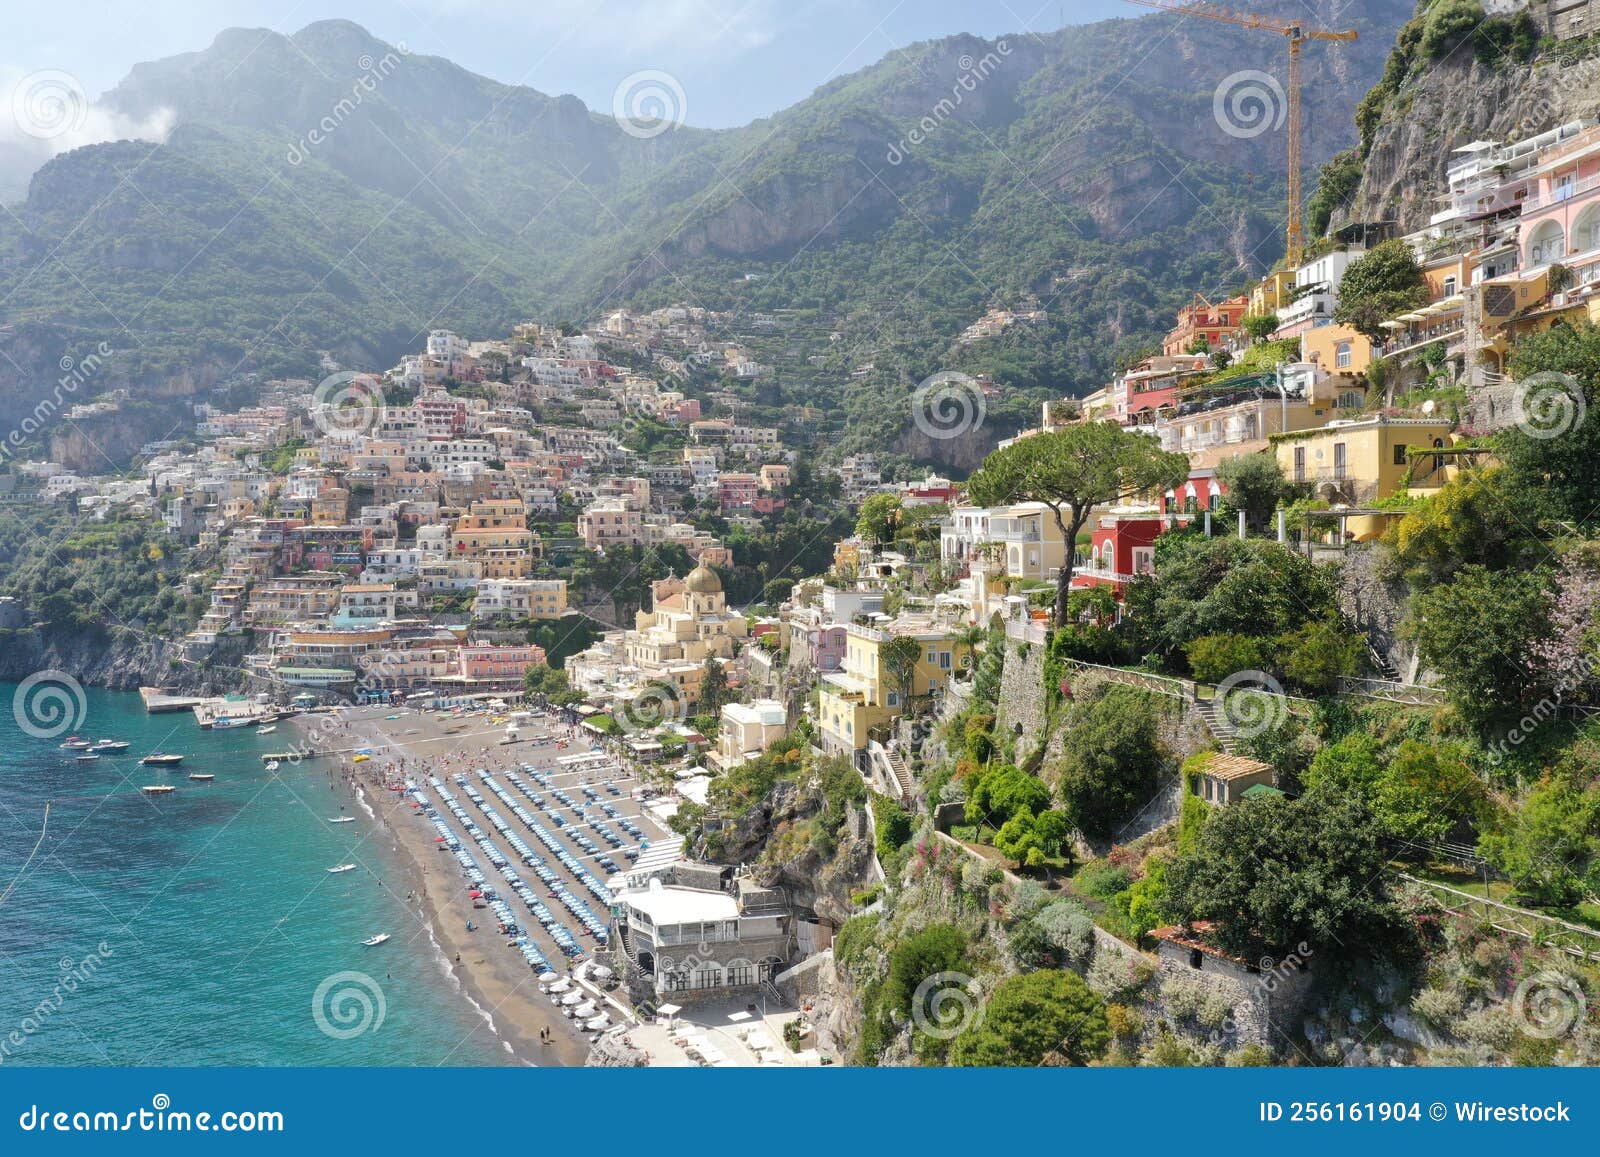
{"x":1221,"y":765}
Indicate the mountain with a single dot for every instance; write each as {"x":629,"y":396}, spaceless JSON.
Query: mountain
{"x":329,"y":192}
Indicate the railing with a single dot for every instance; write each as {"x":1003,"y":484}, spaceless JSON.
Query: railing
{"x":1561,"y":195}
{"x":1573,"y":939}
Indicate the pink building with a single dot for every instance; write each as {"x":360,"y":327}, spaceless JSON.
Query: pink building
{"x":737,"y":491}
{"x":1561,"y":217}
{"x":488,"y":663}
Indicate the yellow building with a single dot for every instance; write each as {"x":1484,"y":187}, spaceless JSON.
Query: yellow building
{"x":688,"y":623}
{"x":858,"y":702}
{"x":1337,"y":349}
{"x":1359,"y":462}
{"x":494,"y":533}
{"x":1272,"y":292}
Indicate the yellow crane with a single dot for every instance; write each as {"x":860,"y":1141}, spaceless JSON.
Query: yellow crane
{"x":1297,"y":35}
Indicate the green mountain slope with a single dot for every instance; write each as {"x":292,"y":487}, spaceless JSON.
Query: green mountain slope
{"x":328,"y":192}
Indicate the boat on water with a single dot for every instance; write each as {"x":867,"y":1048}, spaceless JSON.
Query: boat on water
{"x":161,"y":759}
{"x":342,"y":819}
{"x":158,"y":789}
{"x":73,"y":743}
{"x":266,"y":720}
{"x":273,"y":765}
{"x":225,"y":721}
{"x":103,"y":746}
{"x":336,"y":869}
{"x":202,"y":776}
{"x":268,"y":729}
{"x":374,"y":941}
{"x":88,"y":757}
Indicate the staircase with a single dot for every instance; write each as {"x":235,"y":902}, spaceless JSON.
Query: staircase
{"x":1381,"y":664}
{"x":1217,"y":724}
{"x":902,"y":773}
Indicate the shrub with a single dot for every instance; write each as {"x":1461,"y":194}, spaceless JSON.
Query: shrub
{"x":1438,"y":1007}
{"x":1212,"y":658}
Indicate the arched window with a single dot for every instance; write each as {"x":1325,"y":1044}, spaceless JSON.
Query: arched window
{"x":1546,"y":243}
{"x":1586,"y":229}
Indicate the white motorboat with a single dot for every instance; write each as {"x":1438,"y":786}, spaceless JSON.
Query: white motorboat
{"x":110,"y":745}
{"x":335,"y":870}
{"x":88,"y":757}
{"x":73,"y":743}
{"x":341,"y":819}
{"x":158,"y":789}
{"x":161,"y":759}
{"x":202,"y":776}
{"x":273,"y":765}
{"x":268,"y":729}
{"x":374,"y":941}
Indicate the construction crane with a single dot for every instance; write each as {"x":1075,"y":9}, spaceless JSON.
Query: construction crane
{"x":1297,"y":35}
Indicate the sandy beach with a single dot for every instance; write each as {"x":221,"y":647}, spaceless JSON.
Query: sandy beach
{"x":415,"y":745}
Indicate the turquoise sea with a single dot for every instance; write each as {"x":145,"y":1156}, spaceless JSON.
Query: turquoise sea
{"x":197,"y":928}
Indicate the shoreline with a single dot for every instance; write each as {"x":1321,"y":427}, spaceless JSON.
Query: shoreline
{"x":500,"y":990}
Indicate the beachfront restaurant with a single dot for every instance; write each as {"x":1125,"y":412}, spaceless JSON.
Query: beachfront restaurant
{"x":695,"y":931}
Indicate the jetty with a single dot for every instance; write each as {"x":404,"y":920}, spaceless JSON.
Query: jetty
{"x":158,"y":702}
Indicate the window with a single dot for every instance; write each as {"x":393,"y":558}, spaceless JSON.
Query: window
{"x":1341,"y":355}
{"x":1299,"y":463}
{"x":1450,"y":286}
{"x":677,"y":981}
{"x":1399,"y":453}
{"x":1339,"y":459}
{"x":1144,"y":560}
{"x":741,"y":974}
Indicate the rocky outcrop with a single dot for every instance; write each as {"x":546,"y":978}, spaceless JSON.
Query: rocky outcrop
{"x":1451,"y":102}
{"x":124,"y":661}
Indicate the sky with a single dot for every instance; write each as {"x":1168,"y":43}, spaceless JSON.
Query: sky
{"x":740,"y":59}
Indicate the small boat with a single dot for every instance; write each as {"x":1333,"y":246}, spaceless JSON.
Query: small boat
{"x":266,"y":721}
{"x":202,"y":776}
{"x":374,"y":941}
{"x":113,"y":745}
{"x":161,"y":759}
{"x":273,"y":765}
{"x":88,"y":757}
{"x":158,"y":789}
{"x":268,"y":729}
{"x":342,"y":820}
{"x":334,"y":871}
{"x":228,"y":721}
{"x":73,"y":743}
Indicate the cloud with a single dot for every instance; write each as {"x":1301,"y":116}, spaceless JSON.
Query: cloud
{"x":46,"y":113}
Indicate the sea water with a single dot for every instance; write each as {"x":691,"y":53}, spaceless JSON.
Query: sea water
{"x":202,"y":927}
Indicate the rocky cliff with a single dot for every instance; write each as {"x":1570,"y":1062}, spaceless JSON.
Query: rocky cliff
{"x":1444,"y":104}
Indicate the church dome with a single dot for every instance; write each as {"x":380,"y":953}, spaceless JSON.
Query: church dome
{"x":702,"y":580}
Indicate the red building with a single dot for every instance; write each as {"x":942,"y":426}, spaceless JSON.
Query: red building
{"x":1120,"y":550}
{"x":1217,"y":324}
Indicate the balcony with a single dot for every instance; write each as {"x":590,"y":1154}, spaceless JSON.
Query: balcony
{"x":1568,"y":193}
